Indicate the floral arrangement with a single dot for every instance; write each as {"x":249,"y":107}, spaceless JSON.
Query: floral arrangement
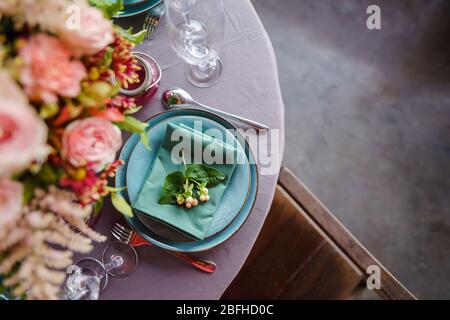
{"x":60,"y":129}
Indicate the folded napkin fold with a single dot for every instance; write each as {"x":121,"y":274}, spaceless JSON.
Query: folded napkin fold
{"x":195,"y":221}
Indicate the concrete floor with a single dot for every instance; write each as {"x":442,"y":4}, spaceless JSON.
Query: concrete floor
{"x":368,"y":124}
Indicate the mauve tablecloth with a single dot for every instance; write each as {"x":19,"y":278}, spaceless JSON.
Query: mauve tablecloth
{"x":249,"y":87}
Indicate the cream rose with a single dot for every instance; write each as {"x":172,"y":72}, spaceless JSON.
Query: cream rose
{"x":93,"y":33}
{"x":92,"y":141}
{"x":23,"y":135}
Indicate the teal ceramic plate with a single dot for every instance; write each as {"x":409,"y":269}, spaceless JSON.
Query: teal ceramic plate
{"x":135,"y":7}
{"x":128,"y":3}
{"x":233,"y":199}
{"x":216,"y":239}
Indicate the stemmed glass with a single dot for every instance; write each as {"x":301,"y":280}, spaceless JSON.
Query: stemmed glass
{"x":196,"y":28}
{"x":88,"y":276}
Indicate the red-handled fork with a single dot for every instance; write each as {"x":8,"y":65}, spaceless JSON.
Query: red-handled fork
{"x":132,"y":238}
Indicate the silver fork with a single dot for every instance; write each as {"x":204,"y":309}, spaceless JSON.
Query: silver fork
{"x":152,"y":19}
{"x":132,"y":238}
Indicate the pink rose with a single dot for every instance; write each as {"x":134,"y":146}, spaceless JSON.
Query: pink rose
{"x":11,"y":194}
{"x":93,"y":34}
{"x":23,"y":135}
{"x":92,"y":141}
{"x":49,"y":70}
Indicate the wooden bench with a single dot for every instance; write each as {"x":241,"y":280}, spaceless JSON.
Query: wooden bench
{"x":304,"y":252}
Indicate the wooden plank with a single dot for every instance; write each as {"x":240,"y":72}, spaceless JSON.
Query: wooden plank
{"x":328,"y":275}
{"x":391,"y":288}
{"x":288,"y":243}
{"x":279,"y":251}
{"x":273,"y":224}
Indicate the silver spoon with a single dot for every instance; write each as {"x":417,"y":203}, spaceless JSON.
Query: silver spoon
{"x":178,"y":98}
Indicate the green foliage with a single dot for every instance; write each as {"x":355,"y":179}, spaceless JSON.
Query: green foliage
{"x":44,"y":176}
{"x":132,"y":124}
{"x":96,"y":94}
{"x":133,"y":110}
{"x":48,"y":110}
{"x":29,"y":185}
{"x":145,"y":141}
{"x":106,"y":61}
{"x":202,"y":173}
{"x":98,"y":207}
{"x":171,"y":187}
{"x":136,"y":126}
{"x":48,"y":174}
{"x":121,"y":205}
{"x":109,"y":7}
{"x":178,"y":184}
{"x":112,"y":189}
{"x":128,"y":34}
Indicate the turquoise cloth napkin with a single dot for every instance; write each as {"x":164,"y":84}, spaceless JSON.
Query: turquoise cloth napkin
{"x":195,"y":221}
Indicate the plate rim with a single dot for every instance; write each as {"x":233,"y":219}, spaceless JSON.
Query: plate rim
{"x":138,"y":2}
{"x":123,"y":14}
{"x":247,"y":166}
{"x":206,"y":248}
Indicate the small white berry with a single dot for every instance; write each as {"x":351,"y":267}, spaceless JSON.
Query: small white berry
{"x":180,"y":201}
{"x":188,"y":205}
{"x":206,"y":198}
{"x":189,"y":200}
{"x":205,"y":191}
{"x":195,"y":202}
{"x":202,"y":198}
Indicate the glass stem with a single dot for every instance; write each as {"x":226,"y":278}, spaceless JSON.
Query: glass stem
{"x":116,"y":262}
{"x":207,"y":66}
{"x":186,"y":18}
{"x":75,"y":295}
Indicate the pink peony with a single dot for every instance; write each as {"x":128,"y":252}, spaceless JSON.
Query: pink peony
{"x":23,"y":135}
{"x":93,"y":34}
{"x":92,"y":141}
{"x":49,"y":70}
{"x":11,"y":194}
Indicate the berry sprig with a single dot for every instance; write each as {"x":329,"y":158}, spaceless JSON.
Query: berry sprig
{"x":190,"y":187}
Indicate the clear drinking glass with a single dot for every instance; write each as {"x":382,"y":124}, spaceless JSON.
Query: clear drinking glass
{"x":88,"y":276}
{"x":196,"y":28}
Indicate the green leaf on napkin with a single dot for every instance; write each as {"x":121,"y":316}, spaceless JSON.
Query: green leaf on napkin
{"x":178,"y":184}
{"x":121,"y":205}
{"x":203,"y":173}
{"x":171,"y":187}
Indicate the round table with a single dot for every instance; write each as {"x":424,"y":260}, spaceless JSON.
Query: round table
{"x":248,"y":87}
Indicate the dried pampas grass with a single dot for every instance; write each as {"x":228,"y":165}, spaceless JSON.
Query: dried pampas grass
{"x":41,"y":241}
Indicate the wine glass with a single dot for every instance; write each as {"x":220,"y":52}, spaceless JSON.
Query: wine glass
{"x":196,"y":27}
{"x":88,"y":276}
